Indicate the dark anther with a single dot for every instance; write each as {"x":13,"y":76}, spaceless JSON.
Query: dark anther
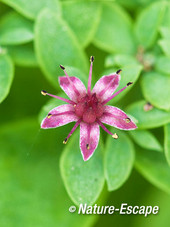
{"x":91,"y":59}
{"x":87,"y":146}
{"x":43,"y":92}
{"x":65,"y":141}
{"x":128,"y":120}
{"x":119,"y":71}
{"x":128,"y":84}
{"x":62,"y":67}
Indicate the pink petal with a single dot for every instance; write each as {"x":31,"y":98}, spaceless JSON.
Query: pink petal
{"x":64,"y":115}
{"x":73,"y":87}
{"x":89,"y":134}
{"x":106,"y":85}
{"x":115,"y":117}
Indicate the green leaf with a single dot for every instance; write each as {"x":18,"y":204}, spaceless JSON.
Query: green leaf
{"x":147,"y":24}
{"x":165,"y":32}
{"x":83,"y":18}
{"x":29,"y":170}
{"x":155,"y":87}
{"x":153,"y":166}
{"x":165,"y":46}
{"x":32,"y":8}
{"x":162,"y":64}
{"x":15,"y":29}
{"x":6,"y":75}
{"x":130,"y":73}
{"x":167,"y":142}
{"x":23,"y":55}
{"x":148,"y":119}
{"x":84,"y":181}
{"x":114,"y":33}
{"x":120,"y":60}
{"x":55,"y":44}
{"x":118,"y":160}
{"x":146,"y":139}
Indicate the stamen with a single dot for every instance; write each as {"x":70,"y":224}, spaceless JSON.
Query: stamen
{"x":62,"y":67}
{"x":43,"y":92}
{"x":115,"y":94}
{"x":59,"y":114}
{"x":49,"y":115}
{"x":72,"y":130}
{"x":65,"y":141}
{"x":119,"y":71}
{"x":87,"y":146}
{"x":72,"y":84}
{"x":115,"y":136}
{"x":90,"y":76}
{"x":130,"y":83}
{"x":57,"y":97}
{"x":128,"y":120}
{"x":103,"y":127}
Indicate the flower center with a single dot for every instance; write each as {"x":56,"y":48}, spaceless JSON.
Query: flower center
{"x":89,"y":108}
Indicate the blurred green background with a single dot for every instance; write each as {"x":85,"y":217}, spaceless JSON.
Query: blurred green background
{"x":40,"y":177}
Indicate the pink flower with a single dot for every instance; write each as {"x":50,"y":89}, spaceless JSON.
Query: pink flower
{"x":88,"y":109}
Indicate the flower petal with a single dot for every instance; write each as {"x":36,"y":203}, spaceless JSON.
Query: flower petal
{"x":115,"y":117}
{"x":89,"y":139}
{"x":61,"y":115}
{"x":73,"y":87}
{"x":106,"y":85}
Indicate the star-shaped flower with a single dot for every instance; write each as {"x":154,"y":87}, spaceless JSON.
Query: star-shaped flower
{"x":88,"y":109}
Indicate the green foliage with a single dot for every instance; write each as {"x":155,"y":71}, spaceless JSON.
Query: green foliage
{"x":154,"y":167}
{"x":167,"y":142}
{"x":146,"y":139}
{"x":155,"y":87}
{"x":15,"y":29}
{"x":147,"y":24}
{"x":23,"y":55}
{"x":114,"y":33}
{"x":83,"y":18}
{"x":84,"y":181}
{"x":148,"y":119}
{"x":32,"y":191}
{"x":55,"y":43}
{"x":118,"y":160}
{"x":6,"y":75}
{"x":32,"y":8}
{"x":41,"y":177}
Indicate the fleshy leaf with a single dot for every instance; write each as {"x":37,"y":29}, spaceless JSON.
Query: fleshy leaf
{"x":83,"y":18}
{"x":55,"y":44}
{"x":23,"y":55}
{"x":153,"y":166}
{"x":114,"y":33}
{"x":30,"y":173}
{"x":165,"y":32}
{"x":6,"y":75}
{"x":156,"y":89}
{"x":118,"y":160}
{"x":32,"y":8}
{"x":15,"y":29}
{"x":146,"y":139}
{"x":165,"y":45}
{"x":167,"y":142}
{"x":120,"y":60}
{"x":147,"y":24}
{"x":148,"y":119}
{"x":162,"y":64}
{"x":84,"y":181}
{"x":129,"y":73}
